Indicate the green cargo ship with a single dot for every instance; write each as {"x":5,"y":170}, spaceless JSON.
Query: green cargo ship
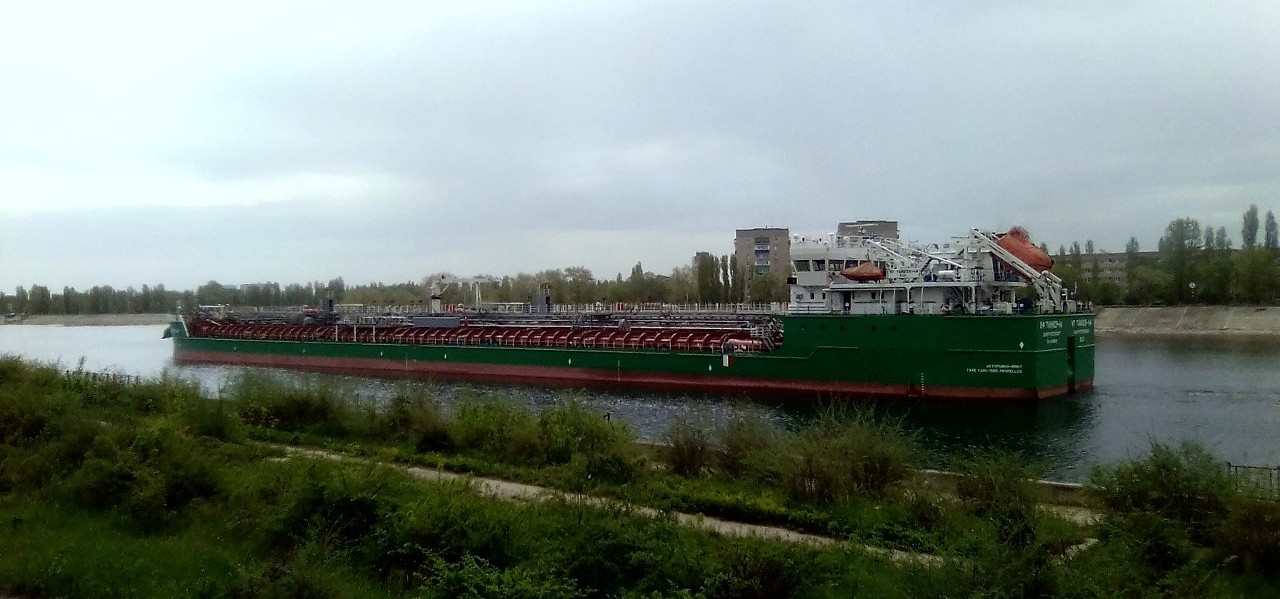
{"x":983,"y":318}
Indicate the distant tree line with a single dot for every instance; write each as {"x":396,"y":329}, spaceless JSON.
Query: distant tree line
{"x":102,"y":299}
{"x":709,"y":279}
{"x":1191,"y":265}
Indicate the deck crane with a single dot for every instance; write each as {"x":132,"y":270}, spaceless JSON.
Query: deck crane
{"x":442,"y":282}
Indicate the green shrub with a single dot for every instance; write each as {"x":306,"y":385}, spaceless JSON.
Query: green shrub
{"x":1249,"y":536}
{"x":1000,"y":487}
{"x":742,"y":440}
{"x":1185,"y":484}
{"x":151,"y":474}
{"x":498,"y":430}
{"x":763,"y":572}
{"x":101,"y":483}
{"x":336,"y":507}
{"x":687,"y":448}
{"x":842,"y":455}
{"x":447,"y":521}
{"x":314,"y":570}
{"x":474,"y":578}
{"x":1161,"y":543}
{"x":417,"y":419}
{"x":596,"y":448}
{"x":32,"y":416}
{"x":569,"y":428}
{"x":261,"y":400}
{"x":211,"y":418}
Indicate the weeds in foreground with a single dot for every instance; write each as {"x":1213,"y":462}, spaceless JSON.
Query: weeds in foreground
{"x":1178,"y":501}
{"x":842,"y":455}
{"x":102,"y":490}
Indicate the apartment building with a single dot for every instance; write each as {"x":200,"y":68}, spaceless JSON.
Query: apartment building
{"x":763,"y":250}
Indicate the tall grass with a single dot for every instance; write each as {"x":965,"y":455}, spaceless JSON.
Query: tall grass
{"x":842,"y":454}
{"x":1180,"y":500}
{"x":687,"y":448}
{"x":1000,"y":487}
{"x":127,"y":489}
{"x":741,"y":443}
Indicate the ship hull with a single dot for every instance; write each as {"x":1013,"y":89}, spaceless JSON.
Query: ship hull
{"x":1004,"y":357}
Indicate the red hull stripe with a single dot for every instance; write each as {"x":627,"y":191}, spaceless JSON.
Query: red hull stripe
{"x":564,"y":376}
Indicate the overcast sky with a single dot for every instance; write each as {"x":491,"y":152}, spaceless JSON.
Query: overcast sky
{"x":175,"y":143}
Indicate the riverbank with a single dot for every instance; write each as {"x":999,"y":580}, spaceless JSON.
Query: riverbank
{"x":92,"y":320}
{"x":1189,"y":320}
{"x":109,"y":481}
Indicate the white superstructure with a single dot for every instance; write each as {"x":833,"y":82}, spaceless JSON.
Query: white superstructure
{"x":971,"y":275}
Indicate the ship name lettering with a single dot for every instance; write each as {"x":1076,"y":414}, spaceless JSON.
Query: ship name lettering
{"x":997,"y":369}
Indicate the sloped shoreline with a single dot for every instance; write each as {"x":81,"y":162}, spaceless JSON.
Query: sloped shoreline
{"x":1245,"y":321}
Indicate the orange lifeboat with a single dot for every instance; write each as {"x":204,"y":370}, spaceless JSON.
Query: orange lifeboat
{"x":863,"y":272}
{"x":1018,"y":243}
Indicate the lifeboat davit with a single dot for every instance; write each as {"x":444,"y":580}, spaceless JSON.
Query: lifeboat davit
{"x":1018,"y":243}
{"x":863,"y":272}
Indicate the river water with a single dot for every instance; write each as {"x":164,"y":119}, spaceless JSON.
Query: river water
{"x":1221,"y":392}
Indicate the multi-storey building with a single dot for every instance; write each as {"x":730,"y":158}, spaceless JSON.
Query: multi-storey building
{"x":862,"y":228}
{"x":763,"y":250}
{"x":1110,"y":267}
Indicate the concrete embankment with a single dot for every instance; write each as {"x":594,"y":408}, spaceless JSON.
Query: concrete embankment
{"x":1190,"y":320}
{"x":76,"y":320}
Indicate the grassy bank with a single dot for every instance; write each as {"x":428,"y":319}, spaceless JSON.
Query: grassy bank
{"x":115,"y":488}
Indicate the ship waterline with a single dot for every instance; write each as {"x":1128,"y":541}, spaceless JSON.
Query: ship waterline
{"x":973,"y":357}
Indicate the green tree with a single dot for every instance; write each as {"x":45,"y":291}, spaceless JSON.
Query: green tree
{"x":580,"y":285}
{"x":725,"y":283}
{"x":1221,"y":241}
{"x":20,"y":299}
{"x":1249,"y":230}
{"x":1272,"y":241}
{"x":767,"y":287}
{"x":213,"y":292}
{"x":337,"y":289}
{"x":1215,"y":278}
{"x":1148,"y":285}
{"x":706,"y":274}
{"x":682,"y":286}
{"x":39,"y":301}
{"x":1257,"y":281}
{"x":1181,"y":246}
{"x":738,"y":273}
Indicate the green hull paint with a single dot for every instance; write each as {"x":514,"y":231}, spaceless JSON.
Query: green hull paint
{"x":944,"y":356}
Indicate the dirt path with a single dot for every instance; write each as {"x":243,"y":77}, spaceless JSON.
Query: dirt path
{"x":513,"y":491}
